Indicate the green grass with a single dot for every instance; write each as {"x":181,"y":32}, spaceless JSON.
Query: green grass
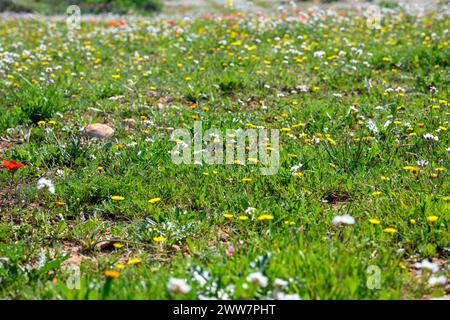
{"x":165,"y":68}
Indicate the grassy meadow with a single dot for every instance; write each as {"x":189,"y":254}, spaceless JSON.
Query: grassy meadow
{"x":359,"y":208}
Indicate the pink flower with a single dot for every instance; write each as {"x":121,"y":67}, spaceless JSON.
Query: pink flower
{"x":229,"y":251}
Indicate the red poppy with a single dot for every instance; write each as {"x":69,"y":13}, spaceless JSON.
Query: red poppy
{"x":12,"y":165}
{"x":112,"y":23}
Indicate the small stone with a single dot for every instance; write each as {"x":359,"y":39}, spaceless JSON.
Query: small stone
{"x":98,"y":130}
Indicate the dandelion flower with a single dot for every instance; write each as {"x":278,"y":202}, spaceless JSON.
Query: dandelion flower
{"x":412,"y":169}
{"x":432,"y":219}
{"x":154,"y":200}
{"x":117,"y":198}
{"x":265,"y":217}
{"x":374,"y":221}
{"x":390,"y":230}
{"x":112,"y":274}
{"x":134,"y":261}
{"x":118,"y":245}
{"x":228,"y":216}
{"x":159,"y":239}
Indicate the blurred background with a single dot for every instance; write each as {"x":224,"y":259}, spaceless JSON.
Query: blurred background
{"x":145,"y":6}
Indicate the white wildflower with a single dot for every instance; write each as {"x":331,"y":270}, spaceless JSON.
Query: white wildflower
{"x":258,"y":279}
{"x":282,"y":296}
{"x":250,"y":210}
{"x":280,"y":283}
{"x":430,"y":137}
{"x":319,"y":54}
{"x":178,"y":286}
{"x":426,"y":264}
{"x":343,"y":220}
{"x":46,"y":183}
{"x":434,"y":281}
{"x":422,"y":163}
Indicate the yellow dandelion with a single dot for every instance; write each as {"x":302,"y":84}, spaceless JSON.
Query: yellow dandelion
{"x":330,"y":140}
{"x":60,"y":203}
{"x":412,"y":221}
{"x":432,"y":219}
{"x":117,"y":198}
{"x":265,"y":217}
{"x":228,"y":216}
{"x":120,"y":266}
{"x":412,"y":169}
{"x":134,"y":261}
{"x":390,"y":230}
{"x":154,"y":200}
{"x":376,"y":193}
{"x":247,"y":180}
{"x":118,"y":245}
{"x":384,"y":178}
{"x":243,"y":218}
{"x":374,"y":221}
{"x":159,"y":239}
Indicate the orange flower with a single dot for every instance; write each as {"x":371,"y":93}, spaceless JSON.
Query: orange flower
{"x":12,"y":166}
{"x":112,"y":274}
